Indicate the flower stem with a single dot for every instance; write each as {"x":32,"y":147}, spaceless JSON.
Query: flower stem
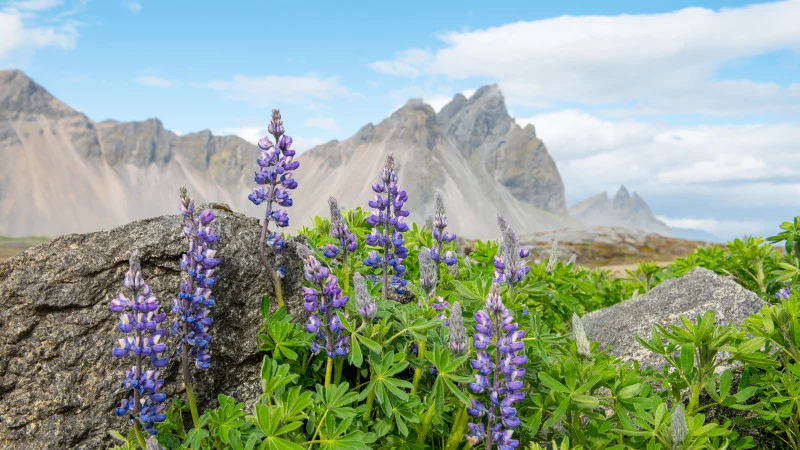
{"x":328,"y":371}
{"x":426,"y":424}
{"x":459,"y":423}
{"x":192,"y":405}
{"x":418,"y":372}
{"x":337,"y":377}
{"x":276,"y":280}
{"x":139,"y":436}
{"x":370,"y":400}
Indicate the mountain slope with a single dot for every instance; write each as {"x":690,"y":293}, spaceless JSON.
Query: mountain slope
{"x":623,"y":210}
{"x":64,"y":173}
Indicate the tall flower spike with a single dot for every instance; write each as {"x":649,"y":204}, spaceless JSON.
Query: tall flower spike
{"x":458,"y":336}
{"x":322,"y":299}
{"x":141,"y":321}
{"x":275,"y":183}
{"x":440,"y":237}
{"x":500,"y":368}
{"x":388,"y":222}
{"x":552,"y":260}
{"x":339,"y":230}
{"x":512,"y":266}
{"x":365,"y":304}
{"x":578,"y":332}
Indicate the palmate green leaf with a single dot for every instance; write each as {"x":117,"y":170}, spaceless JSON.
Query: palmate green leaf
{"x":229,"y":416}
{"x":552,"y":383}
{"x":341,"y":435}
{"x":194,"y":439}
{"x":336,"y":399}
{"x":274,"y":376}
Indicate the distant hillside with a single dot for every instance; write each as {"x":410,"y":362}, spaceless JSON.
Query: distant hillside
{"x":624,"y":210}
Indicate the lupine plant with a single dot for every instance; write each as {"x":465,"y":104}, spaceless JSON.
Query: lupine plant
{"x":388,"y":222}
{"x":441,"y":237}
{"x":500,"y":369}
{"x":511,"y":266}
{"x":140,"y":321}
{"x":275,"y":182}
{"x":323,"y":301}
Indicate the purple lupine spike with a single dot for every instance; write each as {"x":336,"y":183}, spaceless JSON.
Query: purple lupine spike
{"x":339,"y":230}
{"x":511,"y":267}
{"x":195,"y":299}
{"x":141,"y":321}
{"x":499,"y":372}
{"x":275,"y":180}
{"x":440,"y":237}
{"x":322,"y":300}
{"x":388,"y":215}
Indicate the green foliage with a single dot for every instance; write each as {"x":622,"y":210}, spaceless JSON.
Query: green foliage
{"x":726,"y":378}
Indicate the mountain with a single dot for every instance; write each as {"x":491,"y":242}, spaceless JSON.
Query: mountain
{"x":64,"y":173}
{"x":697,"y":235}
{"x":473,"y":151}
{"x":625,"y":210}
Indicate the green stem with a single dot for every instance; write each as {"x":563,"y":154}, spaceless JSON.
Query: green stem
{"x":459,"y":424}
{"x":139,"y":436}
{"x":337,"y":377}
{"x":192,"y":405}
{"x":370,"y":400}
{"x":328,"y":371}
{"x":418,"y":372}
{"x":426,"y":424}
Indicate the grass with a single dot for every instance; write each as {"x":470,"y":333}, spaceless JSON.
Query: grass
{"x":10,"y":246}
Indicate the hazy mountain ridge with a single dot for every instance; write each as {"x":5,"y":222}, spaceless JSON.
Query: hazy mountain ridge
{"x":623,"y":209}
{"x":64,"y":173}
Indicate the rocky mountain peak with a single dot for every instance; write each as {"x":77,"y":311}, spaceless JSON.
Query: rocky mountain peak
{"x":623,"y":209}
{"x":19,"y":94}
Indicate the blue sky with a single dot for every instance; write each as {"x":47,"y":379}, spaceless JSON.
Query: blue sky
{"x":695,"y":105}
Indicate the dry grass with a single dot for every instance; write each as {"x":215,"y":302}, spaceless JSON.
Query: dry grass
{"x":10,"y":246}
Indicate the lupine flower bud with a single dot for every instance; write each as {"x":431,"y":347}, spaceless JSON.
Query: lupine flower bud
{"x":458,"y":336}
{"x":553,"y":259}
{"x":140,"y":319}
{"x":365,"y":305}
{"x":584,"y":348}
{"x":573,"y":259}
{"x":511,"y":267}
{"x":427,"y":272}
{"x":192,"y":308}
{"x":783,"y":294}
{"x":339,"y":230}
{"x":678,"y":429}
{"x":440,"y":237}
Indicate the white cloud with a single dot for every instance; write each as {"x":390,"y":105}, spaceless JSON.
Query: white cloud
{"x":270,"y":89}
{"x":17,"y":34}
{"x":154,"y":81}
{"x":666,"y":62}
{"x":134,"y":7}
{"x":253,"y":134}
{"x":322,"y":122}
{"x":36,"y":5}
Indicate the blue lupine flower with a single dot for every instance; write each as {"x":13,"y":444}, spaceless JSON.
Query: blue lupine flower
{"x":511,"y":267}
{"x":322,"y":301}
{"x":783,"y":294}
{"x":388,"y":215}
{"x":499,"y":380}
{"x":195,"y":300}
{"x":440,"y":237}
{"x":140,"y":320}
{"x":365,"y":304}
{"x":339,"y":230}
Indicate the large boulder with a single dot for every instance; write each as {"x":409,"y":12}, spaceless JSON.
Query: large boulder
{"x":692,"y":295}
{"x":59,"y":384}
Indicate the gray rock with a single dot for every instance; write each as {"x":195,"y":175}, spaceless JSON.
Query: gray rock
{"x":58,"y":381}
{"x":699,"y":291}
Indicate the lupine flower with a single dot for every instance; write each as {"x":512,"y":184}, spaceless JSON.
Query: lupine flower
{"x":141,"y":322}
{"x":678,"y":429}
{"x":553,"y":259}
{"x":347,"y":240}
{"x":275,"y":183}
{"x":388,"y":215}
{"x":783,"y":294}
{"x":322,"y":301}
{"x":458,"y":336}
{"x":511,"y":267}
{"x":427,"y":274}
{"x":440,"y":306}
{"x":582,"y":342}
{"x":499,"y":381}
{"x":365,"y":304}
{"x":440,"y":237}
{"x":193,"y":306}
